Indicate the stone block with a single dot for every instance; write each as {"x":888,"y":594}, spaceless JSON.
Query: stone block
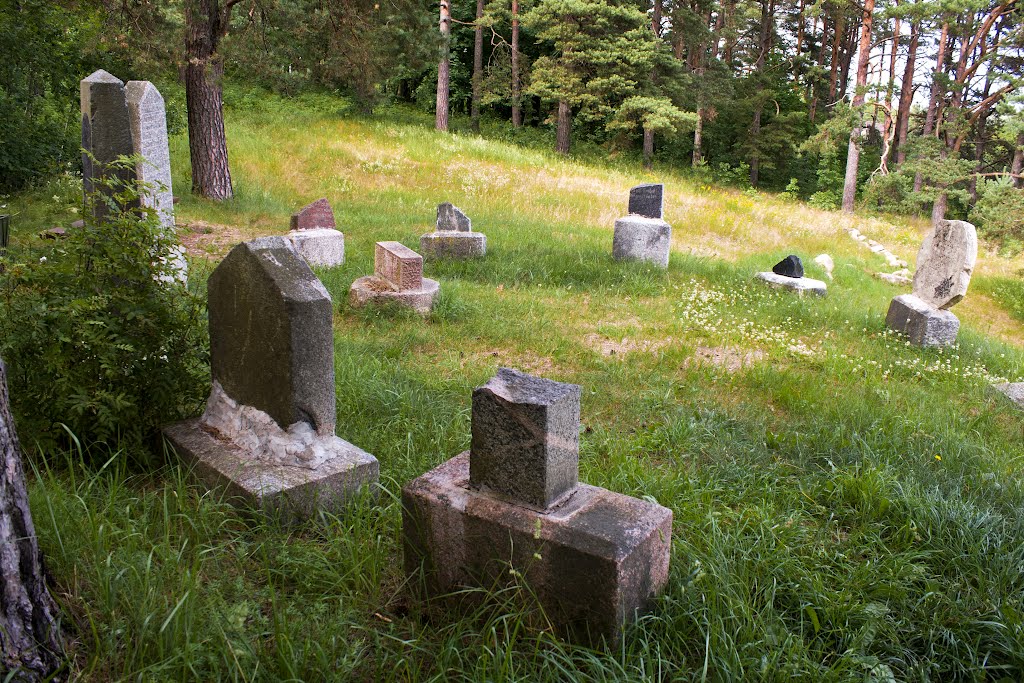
{"x":398,"y":265}
{"x":644,"y":239}
{"x":315,"y":216}
{"x":148,"y":120}
{"x":106,"y":131}
{"x":271,"y":335}
{"x":647,"y":200}
{"x":925,"y":325}
{"x":449,"y":217}
{"x":319,"y":247}
{"x":374,"y":290}
{"x":449,"y":244}
{"x":525,"y":442}
{"x":1013,"y":391}
{"x":594,"y":562}
{"x":800,"y":285}
{"x":945,"y":263}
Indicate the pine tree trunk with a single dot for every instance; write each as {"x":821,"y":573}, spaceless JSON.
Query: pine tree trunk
{"x":1018,"y":162}
{"x":853,"y":149}
{"x":563,"y":137}
{"x":698,"y":139}
{"x":206,"y":24}
{"x":443,"y":69}
{"x":838,"y":28}
{"x":755,"y":133}
{"x":29,"y":634}
{"x":907,"y":94}
{"x":478,"y":67}
{"x":648,"y":148}
{"x":517,"y":112}
{"x":847,"y":59}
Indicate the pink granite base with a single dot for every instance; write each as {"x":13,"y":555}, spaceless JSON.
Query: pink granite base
{"x":594,"y":562}
{"x":374,"y":290}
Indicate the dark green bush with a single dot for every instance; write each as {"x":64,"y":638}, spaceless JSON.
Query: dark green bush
{"x":97,"y":333}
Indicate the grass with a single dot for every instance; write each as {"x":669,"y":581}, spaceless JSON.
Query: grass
{"x":847,"y":507}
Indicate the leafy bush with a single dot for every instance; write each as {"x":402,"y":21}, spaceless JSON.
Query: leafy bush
{"x":892,"y":192}
{"x":999,"y":213}
{"x":97,"y":333}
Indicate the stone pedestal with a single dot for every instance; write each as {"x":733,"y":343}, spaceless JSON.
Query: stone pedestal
{"x":453,"y":245}
{"x":398,"y":278}
{"x":800,"y":285}
{"x":320,"y":247}
{"x":593,"y":558}
{"x":642,"y":239}
{"x":925,"y":325}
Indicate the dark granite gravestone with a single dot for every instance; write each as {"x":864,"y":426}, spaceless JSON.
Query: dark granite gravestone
{"x":791,"y":266}
{"x":106,"y":132}
{"x":647,"y":200}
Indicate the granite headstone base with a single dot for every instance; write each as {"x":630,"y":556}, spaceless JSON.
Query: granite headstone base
{"x":289,"y":492}
{"x":371,"y":289}
{"x":800,"y":285}
{"x":925,"y":325}
{"x":449,"y":244}
{"x":320,"y":246}
{"x":643,"y":239}
{"x":594,"y":561}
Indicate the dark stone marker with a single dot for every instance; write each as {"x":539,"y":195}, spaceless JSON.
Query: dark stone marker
{"x":449,"y":217}
{"x":106,"y":130}
{"x":790,"y":266}
{"x":525,"y":443}
{"x":271,"y":339}
{"x":317,"y":215}
{"x":647,"y":200}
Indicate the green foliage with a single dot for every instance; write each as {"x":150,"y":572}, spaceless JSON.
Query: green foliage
{"x":893,"y":192}
{"x":830,"y":176}
{"x":999,"y":213}
{"x":97,"y":332}
{"x":656,"y":114}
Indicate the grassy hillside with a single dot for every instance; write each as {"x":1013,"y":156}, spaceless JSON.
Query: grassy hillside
{"x":846,"y":507}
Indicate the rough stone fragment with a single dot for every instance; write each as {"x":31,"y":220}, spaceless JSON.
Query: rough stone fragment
{"x":826,"y":264}
{"x":1013,"y":391}
{"x":594,"y":563}
{"x":324,"y":247}
{"x":271,"y":338}
{"x":315,"y":216}
{"x":449,"y":217}
{"x":800,"y":285}
{"x":399,"y":265}
{"x":647,"y":200}
{"x":643,"y":239}
{"x":945,"y":263}
{"x":924,"y":324}
{"x":525,"y":444}
{"x":148,"y":120}
{"x":894,"y":278}
{"x":791,"y":266}
{"x":453,"y":245}
{"x":106,"y":132}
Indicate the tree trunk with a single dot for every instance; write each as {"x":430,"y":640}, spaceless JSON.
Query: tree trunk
{"x":29,"y":635}
{"x":838,"y":29}
{"x":698,"y":139}
{"x":478,"y":67}
{"x":648,"y":148}
{"x":847,"y":59}
{"x":517,"y":112}
{"x":563,"y":137}
{"x":443,"y":68}
{"x":755,"y":133}
{"x":1018,"y":161}
{"x":853,"y":149}
{"x":206,"y":23}
{"x":907,"y":94}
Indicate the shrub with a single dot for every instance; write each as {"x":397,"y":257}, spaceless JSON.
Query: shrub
{"x":999,"y":213}
{"x":97,"y":333}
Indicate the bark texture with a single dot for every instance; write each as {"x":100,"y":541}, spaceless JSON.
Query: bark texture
{"x":517,"y":112}
{"x":443,"y":68}
{"x":853,"y":149}
{"x":563,"y":137}
{"x":478,"y":67}
{"x":29,"y":633}
{"x":206,"y":23}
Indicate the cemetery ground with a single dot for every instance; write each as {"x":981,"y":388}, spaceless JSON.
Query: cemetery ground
{"x":847,"y":507}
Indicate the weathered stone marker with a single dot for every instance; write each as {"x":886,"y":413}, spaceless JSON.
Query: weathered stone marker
{"x":647,"y":200}
{"x":593,"y":558}
{"x":398,"y":277}
{"x":453,"y":236}
{"x":148,"y":119}
{"x":106,"y":133}
{"x":789,"y":274}
{"x":944,"y":266}
{"x":267,"y":436}
{"x":315,"y":236}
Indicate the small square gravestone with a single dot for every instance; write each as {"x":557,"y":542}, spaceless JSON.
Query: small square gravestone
{"x":647,"y":200}
{"x":398,"y":278}
{"x":512,"y":507}
{"x":398,"y":265}
{"x":315,"y":236}
{"x":453,"y":236}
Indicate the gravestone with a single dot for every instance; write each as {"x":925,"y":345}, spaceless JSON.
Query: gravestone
{"x":106,"y":133}
{"x":453,"y":236}
{"x":398,"y":278}
{"x":512,"y":506}
{"x":647,"y":200}
{"x":148,"y":120}
{"x":315,"y":236}
{"x":267,"y":437}
{"x":789,"y":274}
{"x":791,"y":266}
{"x":944,"y":266}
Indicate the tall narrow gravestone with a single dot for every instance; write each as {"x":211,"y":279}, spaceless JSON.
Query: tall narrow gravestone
{"x":267,"y":436}
{"x":398,"y":278}
{"x":944,"y":266}
{"x":512,"y":504}
{"x":643,"y":235}
{"x":453,"y":236}
{"x":315,"y":235}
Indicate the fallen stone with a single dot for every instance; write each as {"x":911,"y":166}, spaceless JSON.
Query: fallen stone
{"x":647,"y":200}
{"x":922,"y":323}
{"x":78,"y":224}
{"x":877,"y":248}
{"x":316,"y":216}
{"x":826,"y":264}
{"x":945,"y":263}
{"x":894,"y":278}
{"x":1013,"y":391}
{"x":642,"y":239}
{"x":800,"y":285}
{"x":54,"y":233}
{"x":791,"y":266}
{"x":449,"y":217}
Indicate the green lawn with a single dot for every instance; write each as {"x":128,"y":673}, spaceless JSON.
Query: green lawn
{"x":846,"y":507}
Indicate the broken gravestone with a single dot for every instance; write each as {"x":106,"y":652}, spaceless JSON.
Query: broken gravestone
{"x":643,"y":235}
{"x":398,"y":278}
{"x":512,"y":506}
{"x":944,"y":266}
{"x":453,"y":236}
{"x":789,"y":274}
{"x":315,"y":236}
{"x":267,"y":436}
